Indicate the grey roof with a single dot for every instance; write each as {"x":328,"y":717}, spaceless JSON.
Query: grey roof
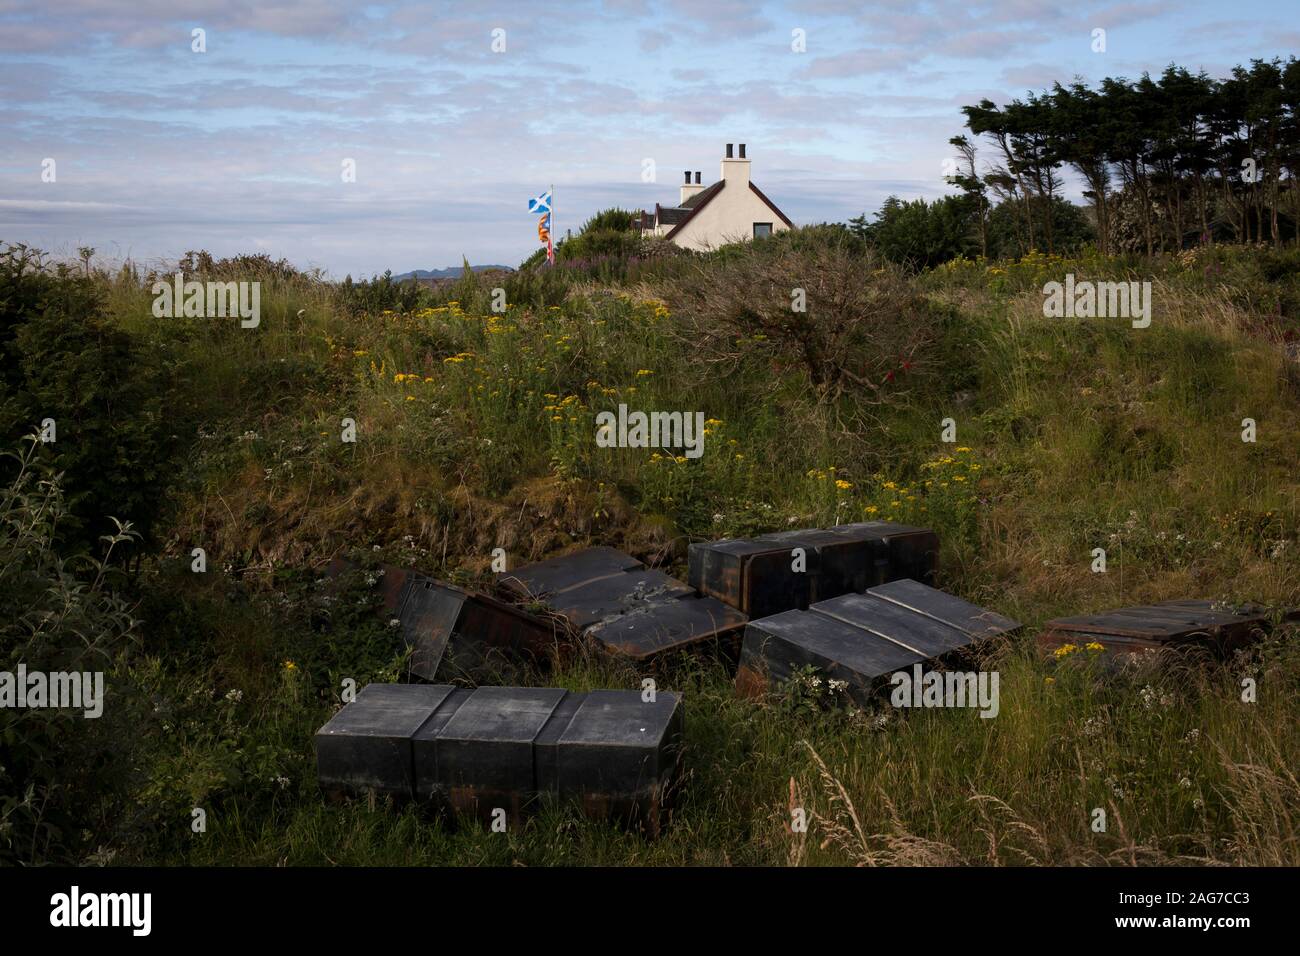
{"x":703,"y":195}
{"x":671,"y":215}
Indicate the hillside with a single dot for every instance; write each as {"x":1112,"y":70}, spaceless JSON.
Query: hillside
{"x":451,"y":272}
{"x":474,"y":431}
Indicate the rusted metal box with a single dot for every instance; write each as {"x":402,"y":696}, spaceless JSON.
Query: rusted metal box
{"x":670,"y":626}
{"x":431,"y":613}
{"x":481,"y":756}
{"x":785,"y":570}
{"x":1218,"y":628}
{"x":366,"y":746}
{"x":612,"y":598}
{"x":773,"y":573}
{"x":861,"y":639}
{"x":603,"y":598}
{"x":619,"y":754}
{"x":543,"y":578}
{"x":902,"y":551}
{"x":491,"y":748}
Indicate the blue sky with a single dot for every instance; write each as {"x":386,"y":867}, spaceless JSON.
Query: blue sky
{"x":159,"y":149}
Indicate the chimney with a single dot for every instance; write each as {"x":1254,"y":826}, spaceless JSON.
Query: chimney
{"x":697,"y":177}
{"x":735,"y":170}
{"x":689,"y":189}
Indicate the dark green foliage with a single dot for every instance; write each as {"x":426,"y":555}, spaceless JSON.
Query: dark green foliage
{"x":1071,"y":230}
{"x":1166,"y":162}
{"x":607,"y":247}
{"x":105,"y":392}
{"x":381,"y":294}
{"x":57,"y":767}
{"x":922,"y":234}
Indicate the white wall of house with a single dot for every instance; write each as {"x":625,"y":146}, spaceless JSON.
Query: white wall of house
{"x":730,"y":215}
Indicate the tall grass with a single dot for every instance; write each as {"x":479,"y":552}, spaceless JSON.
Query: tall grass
{"x":475,"y":430}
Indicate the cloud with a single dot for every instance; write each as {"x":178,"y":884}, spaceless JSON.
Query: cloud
{"x":160,"y":150}
{"x":652,"y":40}
{"x":863,"y":63}
{"x":1035,"y":76}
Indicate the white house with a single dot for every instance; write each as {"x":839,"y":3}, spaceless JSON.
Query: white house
{"x":731,"y":210}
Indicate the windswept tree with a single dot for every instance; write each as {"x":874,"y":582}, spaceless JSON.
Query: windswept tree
{"x":1079,"y":124}
{"x":1165,"y":162}
{"x":976,"y":191}
{"x":988,"y":119}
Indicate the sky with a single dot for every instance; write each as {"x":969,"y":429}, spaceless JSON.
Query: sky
{"x":453,"y":125}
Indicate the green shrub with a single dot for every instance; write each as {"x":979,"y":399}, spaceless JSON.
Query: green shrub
{"x":59,"y":359}
{"x":56,"y":615}
{"x":850,"y":321}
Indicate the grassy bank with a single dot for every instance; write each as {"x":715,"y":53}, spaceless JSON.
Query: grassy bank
{"x":474,"y":431}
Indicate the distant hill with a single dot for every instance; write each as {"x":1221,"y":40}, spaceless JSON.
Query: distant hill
{"x":451,"y":272}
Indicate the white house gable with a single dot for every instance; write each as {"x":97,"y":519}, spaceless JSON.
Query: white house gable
{"x":731,"y":210}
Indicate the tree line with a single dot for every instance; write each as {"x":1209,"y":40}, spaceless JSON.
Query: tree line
{"x":1166,"y":163}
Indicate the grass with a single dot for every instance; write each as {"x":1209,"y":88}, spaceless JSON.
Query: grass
{"x":475,"y":432}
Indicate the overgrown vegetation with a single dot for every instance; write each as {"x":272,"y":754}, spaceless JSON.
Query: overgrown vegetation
{"x":475,"y":430}
{"x":1167,"y":164}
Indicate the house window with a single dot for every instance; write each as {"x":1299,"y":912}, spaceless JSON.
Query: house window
{"x":762,"y":229}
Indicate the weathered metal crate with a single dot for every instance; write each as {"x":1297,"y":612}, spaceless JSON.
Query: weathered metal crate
{"x":543,"y":578}
{"x":861,"y":639}
{"x":612,"y":598}
{"x":619,"y":754}
{"x":671,"y":626}
{"x":477,"y":751}
{"x":603,"y":598}
{"x":481,"y":756}
{"x":431,"y":613}
{"x":760,"y":576}
{"x":1150,"y":628}
{"x":366,"y":746}
{"x":904,"y":552}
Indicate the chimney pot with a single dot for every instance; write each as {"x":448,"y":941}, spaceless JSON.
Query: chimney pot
{"x":742,"y":150}
{"x":688,"y":176}
{"x":728,"y":151}
{"x":697,"y":177}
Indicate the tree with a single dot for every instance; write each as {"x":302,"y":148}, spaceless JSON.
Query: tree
{"x":969,"y":182}
{"x":1187,"y":157}
{"x":1080,"y":126}
{"x":921,"y":234}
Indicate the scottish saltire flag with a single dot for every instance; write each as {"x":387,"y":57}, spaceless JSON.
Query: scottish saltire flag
{"x":541,"y":204}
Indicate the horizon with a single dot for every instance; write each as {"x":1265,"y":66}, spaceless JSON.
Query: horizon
{"x":238,"y":149}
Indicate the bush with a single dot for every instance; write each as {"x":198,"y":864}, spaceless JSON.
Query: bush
{"x":60,"y":359}
{"x":1072,"y":230}
{"x":921,"y":234}
{"x":56,"y":615}
{"x":851,"y":322}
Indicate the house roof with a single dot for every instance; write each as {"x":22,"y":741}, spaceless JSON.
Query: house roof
{"x":670,"y":215}
{"x":703,"y":196}
{"x":702,"y":199}
{"x":770,"y":205}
